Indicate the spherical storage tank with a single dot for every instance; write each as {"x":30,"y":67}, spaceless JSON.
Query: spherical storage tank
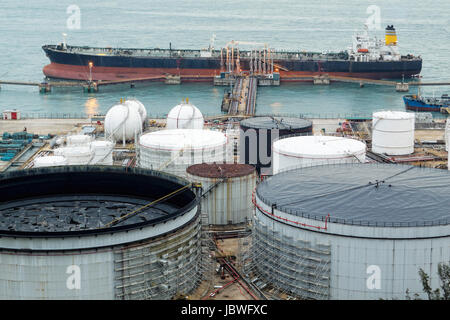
{"x":139,"y":106}
{"x":123,"y":122}
{"x":185,"y":116}
{"x":393,"y":132}
{"x":77,"y":233}
{"x":49,"y":161}
{"x":352,"y":231}
{"x":258,"y":133}
{"x":174,"y":150}
{"x":229,"y":190}
{"x":295,"y":152}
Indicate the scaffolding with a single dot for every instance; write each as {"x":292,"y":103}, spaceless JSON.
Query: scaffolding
{"x":170,"y":267}
{"x":284,"y":268}
{"x":159,"y":269}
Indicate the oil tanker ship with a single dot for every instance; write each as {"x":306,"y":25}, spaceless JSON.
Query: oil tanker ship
{"x":367,"y":57}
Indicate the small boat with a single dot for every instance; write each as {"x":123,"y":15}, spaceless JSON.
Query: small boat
{"x":420,"y":103}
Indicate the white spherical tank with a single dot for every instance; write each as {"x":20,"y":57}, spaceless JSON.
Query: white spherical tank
{"x":231,"y":185}
{"x":139,"y":106}
{"x":185,"y":116}
{"x":103,"y":152}
{"x":393,"y":132}
{"x":76,"y":155}
{"x":49,"y":161}
{"x":174,"y":150}
{"x":123,"y":123}
{"x":306,"y":151}
{"x":78,"y":139}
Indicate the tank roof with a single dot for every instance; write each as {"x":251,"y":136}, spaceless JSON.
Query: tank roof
{"x":394,"y":115}
{"x":362,"y":194}
{"x":317,"y":146}
{"x":283,"y":123}
{"x":176,"y":139}
{"x":220,"y":170}
{"x":73,"y":200}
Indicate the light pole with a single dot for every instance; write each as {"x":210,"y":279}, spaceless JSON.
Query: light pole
{"x":91,"y":64}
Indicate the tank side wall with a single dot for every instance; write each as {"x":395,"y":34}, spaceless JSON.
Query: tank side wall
{"x":362,"y":268}
{"x":47,"y":276}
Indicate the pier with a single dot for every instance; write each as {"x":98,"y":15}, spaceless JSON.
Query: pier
{"x":241,"y":100}
{"x":267,"y":78}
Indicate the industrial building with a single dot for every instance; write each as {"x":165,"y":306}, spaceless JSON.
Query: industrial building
{"x":350,"y":231}
{"x":97,"y":232}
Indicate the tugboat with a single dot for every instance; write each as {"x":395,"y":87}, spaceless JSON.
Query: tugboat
{"x":433,"y":104}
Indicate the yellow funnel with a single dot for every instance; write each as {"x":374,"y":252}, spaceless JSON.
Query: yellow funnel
{"x":391,"y":36}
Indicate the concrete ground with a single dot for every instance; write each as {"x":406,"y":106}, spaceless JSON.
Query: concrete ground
{"x":330,"y":125}
{"x":429,"y":135}
{"x":43,"y":126}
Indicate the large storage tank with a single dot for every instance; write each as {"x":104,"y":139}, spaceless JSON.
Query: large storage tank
{"x":185,"y":116}
{"x":174,"y":150}
{"x":351,"y":231}
{"x":123,"y":122}
{"x":257,"y":135}
{"x":393,"y":132}
{"x":49,"y":161}
{"x":77,"y":155}
{"x":296,"y":152}
{"x":229,"y":188}
{"x":103,"y":152}
{"x":59,"y":241}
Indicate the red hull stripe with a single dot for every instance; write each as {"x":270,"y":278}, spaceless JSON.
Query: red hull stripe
{"x":64,"y":71}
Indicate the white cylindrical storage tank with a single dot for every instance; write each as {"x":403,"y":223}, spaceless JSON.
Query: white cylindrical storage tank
{"x":78,"y":140}
{"x":49,"y":161}
{"x":393,"y":132}
{"x":60,"y":223}
{"x":174,"y":150}
{"x":185,"y":116}
{"x":76,"y":155}
{"x":122,"y":123}
{"x":229,"y":200}
{"x":351,"y":231}
{"x":103,"y":152}
{"x":306,"y":151}
{"x":139,"y":106}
